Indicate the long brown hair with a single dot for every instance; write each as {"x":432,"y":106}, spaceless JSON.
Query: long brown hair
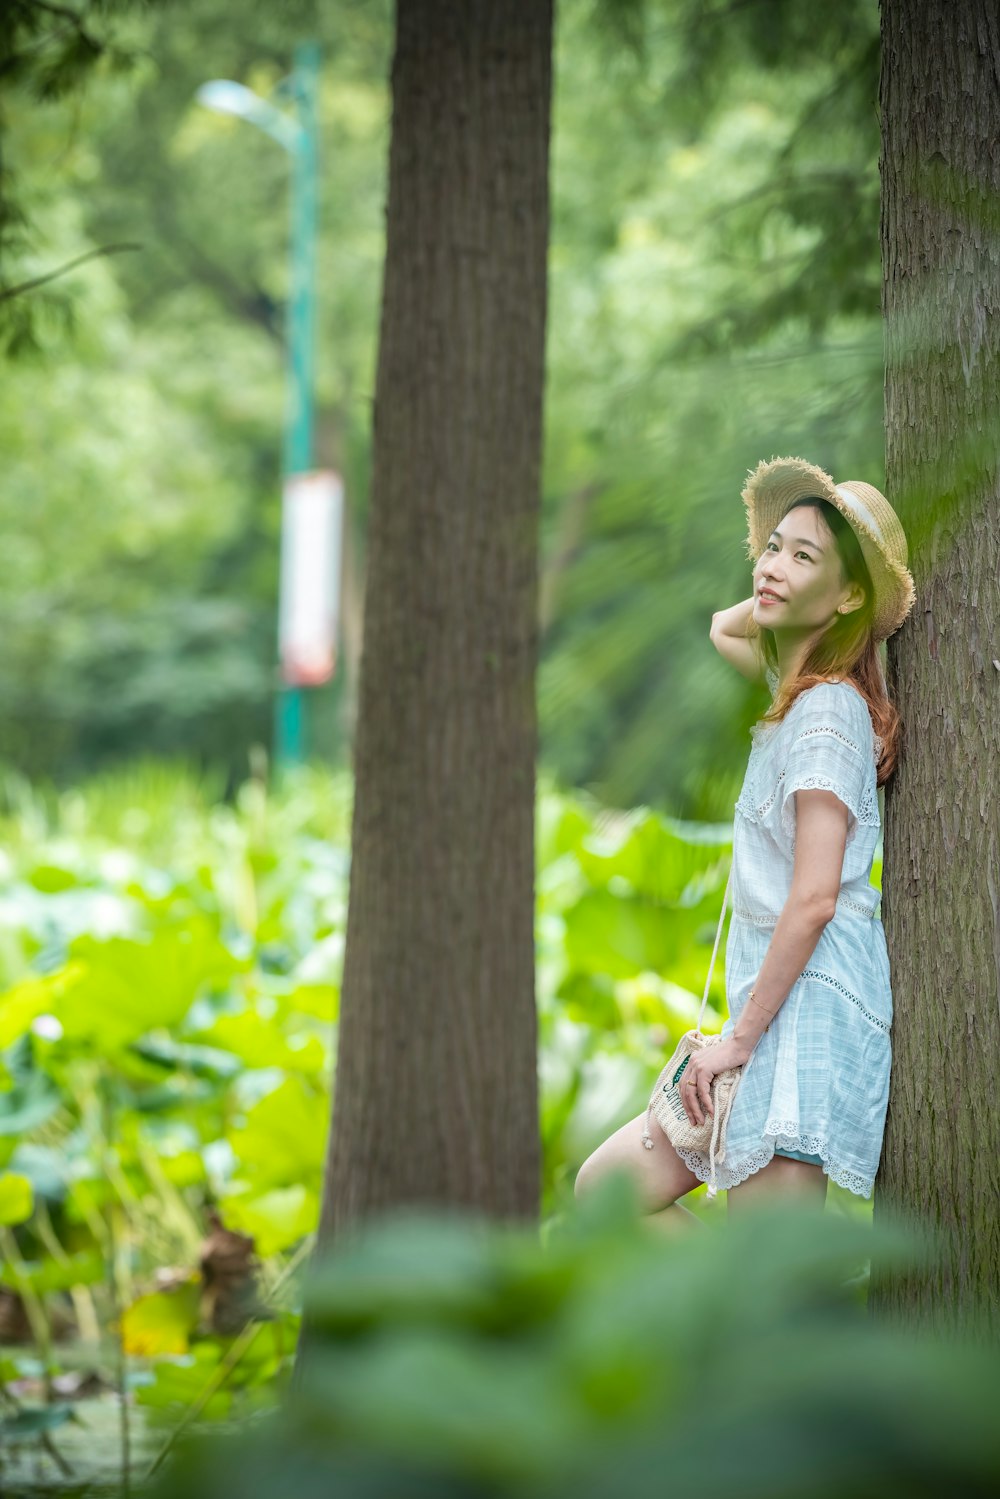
{"x":846,"y":649}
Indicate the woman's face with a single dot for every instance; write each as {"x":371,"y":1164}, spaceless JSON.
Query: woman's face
{"x":801,"y":565}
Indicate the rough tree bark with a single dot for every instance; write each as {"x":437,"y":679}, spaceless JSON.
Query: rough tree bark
{"x":435,"y":1097}
{"x":940,"y":108}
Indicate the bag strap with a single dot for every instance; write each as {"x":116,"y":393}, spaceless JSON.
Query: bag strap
{"x":718,"y":1124}
{"x":715,"y":949}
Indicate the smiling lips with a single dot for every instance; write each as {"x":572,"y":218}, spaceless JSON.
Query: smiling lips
{"x":766,"y":597}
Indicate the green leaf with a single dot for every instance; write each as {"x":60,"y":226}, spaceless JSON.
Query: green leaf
{"x":653,"y":858}
{"x":51,"y":878}
{"x":83,"y":1268}
{"x":283,"y":1137}
{"x":180,"y":1381}
{"x":258,"y":1042}
{"x":426,"y":1392}
{"x":274,"y":1220}
{"x":34,"y":1421}
{"x":590,"y":998}
{"x":33,"y":1099}
{"x":185,"y":1168}
{"x":126,"y":987}
{"x":319,"y":1000}
{"x":561,"y":826}
{"x":47,"y":1167}
{"x":201,"y":1061}
{"x":161,"y":1322}
{"x":20,"y":1006}
{"x":608,"y":935}
{"x":16,"y":1198}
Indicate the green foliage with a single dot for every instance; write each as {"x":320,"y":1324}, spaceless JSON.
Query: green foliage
{"x":142,"y":545}
{"x":43,"y":1276}
{"x":446,"y":1356}
{"x":161,"y":1322}
{"x":16,"y":1198}
{"x":714,"y":278}
{"x":32,"y":1095}
{"x":48,"y":52}
{"x":28,"y":1424}
{"x":172,"y":968}
{"x":714,"y":298}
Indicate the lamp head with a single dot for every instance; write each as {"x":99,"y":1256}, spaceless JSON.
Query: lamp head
{"x":227,"y":97}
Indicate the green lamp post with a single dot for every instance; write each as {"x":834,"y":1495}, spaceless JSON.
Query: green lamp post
{"x":297,"y":133}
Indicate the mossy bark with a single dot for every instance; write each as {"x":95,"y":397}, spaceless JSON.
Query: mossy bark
{"x":940,"y":121}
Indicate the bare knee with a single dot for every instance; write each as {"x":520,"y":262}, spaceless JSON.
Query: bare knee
{"x":659,"y":1175}
{"x":607,"y":1158}
{"x":587,"y":1175}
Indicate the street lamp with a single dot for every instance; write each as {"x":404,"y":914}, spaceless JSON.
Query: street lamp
{"x":296,"y":132}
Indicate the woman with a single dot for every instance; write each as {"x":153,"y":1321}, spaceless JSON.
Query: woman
{"x":807,"y":971}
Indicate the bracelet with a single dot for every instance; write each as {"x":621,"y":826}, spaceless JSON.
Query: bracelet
{"x":754,"y":1001}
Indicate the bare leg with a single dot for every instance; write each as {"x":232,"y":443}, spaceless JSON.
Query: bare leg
{"x":673,"y":1220}
{"x":660,"y":1174}
{"x":781,"y":1180}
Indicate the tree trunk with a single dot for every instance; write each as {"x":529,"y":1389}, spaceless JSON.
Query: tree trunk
{"x":940,"y":110}
{"x":436,"y":1096}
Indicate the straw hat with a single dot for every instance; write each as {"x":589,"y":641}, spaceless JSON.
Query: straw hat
{"x":774,"y":486}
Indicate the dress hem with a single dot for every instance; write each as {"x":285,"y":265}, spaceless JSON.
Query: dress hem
{"x":727,"y":1175}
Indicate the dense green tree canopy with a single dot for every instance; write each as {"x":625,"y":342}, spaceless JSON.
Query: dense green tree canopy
{"x":714,"y":299}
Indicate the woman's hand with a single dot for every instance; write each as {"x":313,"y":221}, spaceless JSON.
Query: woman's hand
{"x":696,"y":1084}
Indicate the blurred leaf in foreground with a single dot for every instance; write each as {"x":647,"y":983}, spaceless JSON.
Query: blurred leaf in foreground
{"x":445,"y":1355}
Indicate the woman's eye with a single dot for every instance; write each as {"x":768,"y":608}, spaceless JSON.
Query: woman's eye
{"x":771,"y":545}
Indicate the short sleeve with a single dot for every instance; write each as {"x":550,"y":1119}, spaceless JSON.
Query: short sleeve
{"x":830,"y":750}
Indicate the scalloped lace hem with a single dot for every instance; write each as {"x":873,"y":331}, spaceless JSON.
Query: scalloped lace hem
{"x":779,"y":1134}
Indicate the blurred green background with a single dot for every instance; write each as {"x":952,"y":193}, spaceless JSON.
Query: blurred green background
{"x":714,"y":299}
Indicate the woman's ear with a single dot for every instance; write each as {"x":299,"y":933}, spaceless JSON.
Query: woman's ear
{"x":854,"y":600}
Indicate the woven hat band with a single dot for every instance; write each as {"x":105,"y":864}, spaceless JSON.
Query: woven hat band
{"x":862,"y":512}
{"x":871,"y":508}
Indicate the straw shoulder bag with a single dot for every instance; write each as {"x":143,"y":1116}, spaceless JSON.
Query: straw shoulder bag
{"x":709,"y":1137}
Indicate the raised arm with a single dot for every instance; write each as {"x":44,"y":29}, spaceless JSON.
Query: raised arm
{"x":729,"y":636}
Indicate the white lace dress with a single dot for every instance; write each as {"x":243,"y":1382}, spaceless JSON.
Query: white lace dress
{"x":817,"y":1082}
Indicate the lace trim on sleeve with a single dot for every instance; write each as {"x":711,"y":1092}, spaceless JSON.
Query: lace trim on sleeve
{"x":860,"y":798}
{"x":850,"y":776}
{"x":864,"y":814}
{"x":823,"y":728}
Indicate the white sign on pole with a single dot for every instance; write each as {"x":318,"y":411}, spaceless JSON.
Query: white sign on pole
{"x":309,"y":603}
